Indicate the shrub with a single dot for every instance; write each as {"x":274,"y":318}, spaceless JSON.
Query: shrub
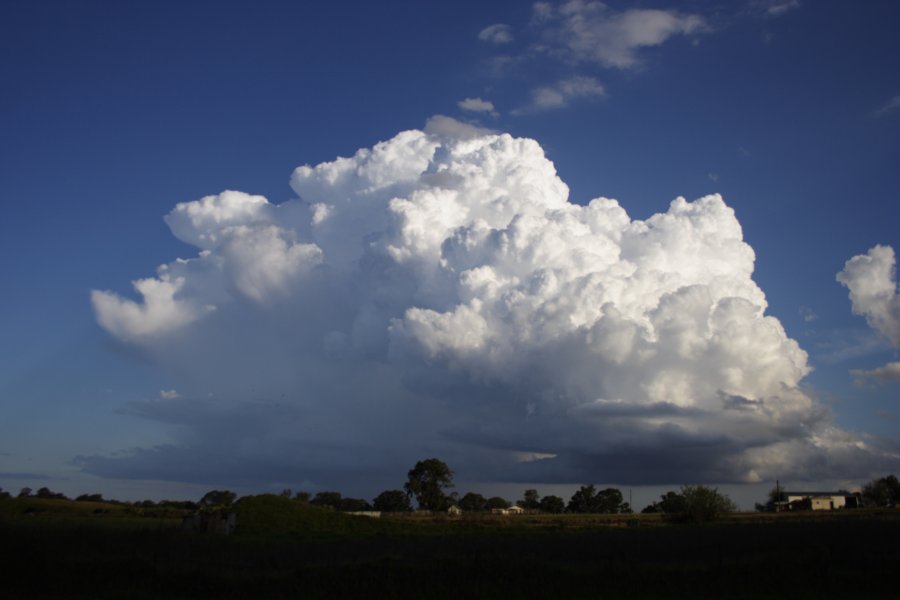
{"x":696,"y":504}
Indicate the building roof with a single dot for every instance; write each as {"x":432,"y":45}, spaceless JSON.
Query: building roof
{"x":786,"y":493}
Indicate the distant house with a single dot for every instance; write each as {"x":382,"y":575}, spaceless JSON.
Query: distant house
{"x":818,"y":501}
{"x":512,"y":510}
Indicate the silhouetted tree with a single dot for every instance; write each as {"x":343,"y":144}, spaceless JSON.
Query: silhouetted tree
{"x":354,"y":505}
{"x":89,"y":498}
{"x":332,"y":499}
{"x":218,"y":499}
{"x":49,"y":494}
{"x":588,"y":500}
{"x":473,"y":502}
{"x":427,"y":481}
{"x":496,"y":502}
{"x":582,"y":501}
{"x":552,"y":504}
{"x":531,"y":500}
{"x":302,"y":497}
{"x":696,"y":504}
{"x":884,"y":491}
{"x":670,"y":502}
{"x":3,"y":494}
{"x":610,"y":501}
{"x":392,"y":501}
{"x":25,"y":492}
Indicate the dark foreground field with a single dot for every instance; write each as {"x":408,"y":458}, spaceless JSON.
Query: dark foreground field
{"x":285,"y":551}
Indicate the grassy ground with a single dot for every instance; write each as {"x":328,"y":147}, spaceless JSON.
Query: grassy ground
{"x":287,"y":550}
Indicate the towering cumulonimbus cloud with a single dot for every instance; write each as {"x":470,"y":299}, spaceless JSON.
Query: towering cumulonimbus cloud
{"x":442,"y":284}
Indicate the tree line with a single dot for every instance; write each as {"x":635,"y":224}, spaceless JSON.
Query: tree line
{"x":429,"y":482}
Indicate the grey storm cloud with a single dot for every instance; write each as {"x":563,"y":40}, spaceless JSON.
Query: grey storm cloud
{"x":438,"y":295}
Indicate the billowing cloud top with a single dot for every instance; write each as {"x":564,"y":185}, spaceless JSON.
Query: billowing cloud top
{"x":445,"y":285}
{"x":871,"y":279}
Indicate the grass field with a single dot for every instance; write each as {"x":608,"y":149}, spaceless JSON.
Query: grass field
{"x":283,"y":549}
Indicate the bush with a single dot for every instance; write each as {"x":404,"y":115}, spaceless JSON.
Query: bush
{"x":393,"y":501}
{"x":696,"y":504}
{"x":269,"y":514}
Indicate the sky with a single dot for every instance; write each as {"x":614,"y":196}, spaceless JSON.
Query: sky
{"x":266,"y":246}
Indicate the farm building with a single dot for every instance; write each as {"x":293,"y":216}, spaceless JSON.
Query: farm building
{"x":818,"y":501}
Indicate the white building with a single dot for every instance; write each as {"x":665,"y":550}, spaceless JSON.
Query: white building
{"x":820,"y":500}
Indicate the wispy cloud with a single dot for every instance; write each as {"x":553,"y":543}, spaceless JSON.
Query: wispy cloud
{"x":889,"y":372}
{"x":498,"y":34}
{"x":807,"y":314}
{"x":592,"y":32}
{"x":780,"y":7}
{"x":840,"y":345}
{"x":562,"y":93}
{"x":477,"y":105}
{"x":23,"y":475}
{"x":888,"y":107}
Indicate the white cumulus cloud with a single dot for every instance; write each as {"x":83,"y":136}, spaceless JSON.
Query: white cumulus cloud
{"x":872,"y":281}
{"x":438,"y":295}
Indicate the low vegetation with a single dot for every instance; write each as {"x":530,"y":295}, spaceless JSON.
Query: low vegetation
{"x":689,"y":544}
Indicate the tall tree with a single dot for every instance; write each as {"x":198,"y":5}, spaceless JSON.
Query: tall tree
{"x":609,"y":501}
{"x":884,"y":491}
{"x":583,"y":500}
{"x":427,"y":482}
{"x":531,"y":500}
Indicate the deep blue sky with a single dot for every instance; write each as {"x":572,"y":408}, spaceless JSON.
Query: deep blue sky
{"x":112,"y":112}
